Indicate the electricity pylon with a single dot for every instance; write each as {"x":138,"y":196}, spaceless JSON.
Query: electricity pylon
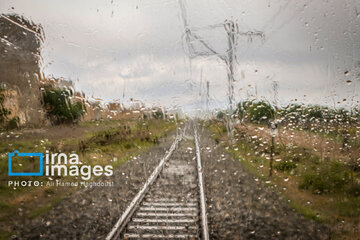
{"x":233,"y":33}
{"x":207,"y":95}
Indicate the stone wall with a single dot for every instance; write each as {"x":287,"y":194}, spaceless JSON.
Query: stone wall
{"x":20,"y":42}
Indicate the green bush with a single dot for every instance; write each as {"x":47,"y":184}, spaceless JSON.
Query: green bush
{"x":315,"y":113}
{"x":305,"y":155}
{"x":349,"y":207}
{"x":158,"y":114}
{"x":5,"y":122}
{"x":335,"y":177}
{"x":60,"y":109}
{"x":257,"y":159}
{"x":242,"y":109}
{"x":354,"y":190}
{"x":129,"y":145}
{"x":220,"y":115}
{"x":259,"y":112}
{"x":285,"y":165}
{"x":13,"y":123}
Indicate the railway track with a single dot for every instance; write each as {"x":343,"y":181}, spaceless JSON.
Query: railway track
{"x":171,"y":204}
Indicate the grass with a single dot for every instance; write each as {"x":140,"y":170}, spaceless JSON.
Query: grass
{"x":307,"y":212}
{"x":46,"y":208}
{"x":4,"y":235}
{"x":338,"y":134}
{"x":99,"y":143}
{"x":323,"y":191}
{"x":333,"y":177}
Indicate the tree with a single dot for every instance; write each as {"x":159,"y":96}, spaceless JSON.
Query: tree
{"x":60,"y":108}
{"x":158,"y":114}
{"x":220,"y":115}
{"x":259,"y":112}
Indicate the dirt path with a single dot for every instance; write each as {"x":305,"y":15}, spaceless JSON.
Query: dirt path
{"x":241,"y":207}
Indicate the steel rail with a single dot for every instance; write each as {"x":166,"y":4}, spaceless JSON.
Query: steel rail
{"x":125,"y":217}
{"x":204,"y":222}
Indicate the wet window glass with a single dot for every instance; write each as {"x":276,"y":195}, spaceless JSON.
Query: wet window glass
{"x":179,"y":119}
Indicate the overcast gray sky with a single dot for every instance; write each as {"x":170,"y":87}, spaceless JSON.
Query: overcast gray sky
{"x":121,"y":49}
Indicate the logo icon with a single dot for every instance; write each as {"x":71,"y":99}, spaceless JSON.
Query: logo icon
{"x":17,"y":154}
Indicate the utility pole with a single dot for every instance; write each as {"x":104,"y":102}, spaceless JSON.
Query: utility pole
{"x":275,"y":86}
{"x":232,"y":30}
{"x":273,"y":125}
{"x":271,"y":156}
{"x":207,"y":95}
{"x":273,"y":134}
